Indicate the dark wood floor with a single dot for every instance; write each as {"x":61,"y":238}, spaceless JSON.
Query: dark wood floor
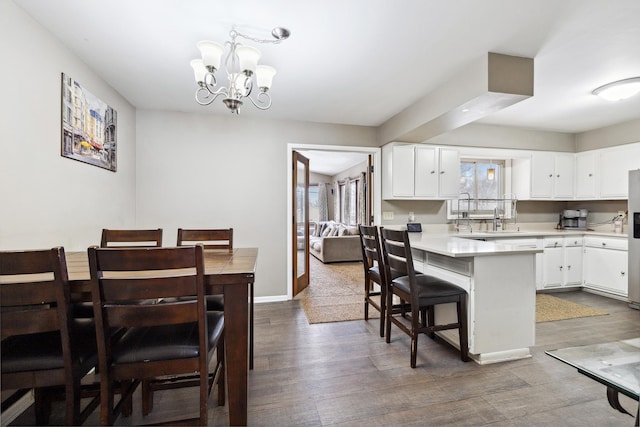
{"x":345,"y":374}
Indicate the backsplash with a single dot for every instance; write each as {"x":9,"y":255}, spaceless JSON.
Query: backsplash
{"x":601,"y":212}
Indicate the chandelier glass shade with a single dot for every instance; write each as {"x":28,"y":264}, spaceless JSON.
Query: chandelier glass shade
{"x":241,"y":68}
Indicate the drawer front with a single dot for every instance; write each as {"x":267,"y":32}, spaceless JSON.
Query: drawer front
{"x":553,"y":242}
{"x":573,"y":241}
{"x":606,"y":243}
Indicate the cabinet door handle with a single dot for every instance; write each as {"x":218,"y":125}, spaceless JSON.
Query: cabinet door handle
{"x":441,"y":172}
{"x":604,"y":244}
{"x":568,"y":267}
{"x":590,"y":174}
{"x":561,"y":268}
{"x":550,"y":175}
{"x":622,"y":273}
{"x":432,"y":172}
{"x":558,"y":176}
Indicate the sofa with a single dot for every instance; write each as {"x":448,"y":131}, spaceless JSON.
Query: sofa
{"x":330,"y":241}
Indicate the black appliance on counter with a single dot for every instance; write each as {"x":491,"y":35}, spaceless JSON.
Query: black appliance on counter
{"x":574,"y":219}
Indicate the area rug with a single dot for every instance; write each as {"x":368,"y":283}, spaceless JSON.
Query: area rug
{"x":550,"y":308}
{"x":336,"y":294}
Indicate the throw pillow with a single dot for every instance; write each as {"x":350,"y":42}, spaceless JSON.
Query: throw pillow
{"x":327,"y":231}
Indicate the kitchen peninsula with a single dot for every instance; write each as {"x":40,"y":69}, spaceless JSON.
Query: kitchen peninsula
{"x":501,"y":283}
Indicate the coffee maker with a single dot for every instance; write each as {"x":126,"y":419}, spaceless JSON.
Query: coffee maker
{"x":574,"y":219}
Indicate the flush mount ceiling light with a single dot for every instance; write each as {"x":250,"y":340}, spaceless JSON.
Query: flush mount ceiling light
{"x":622,"y":89}
{"x":241,"y":65}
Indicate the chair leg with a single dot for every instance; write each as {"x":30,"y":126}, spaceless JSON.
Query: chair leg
{"x":222,"y":378}
{"x":383,"y":308}
{"x":42,"y":405}
{"x":462,"y":330}
{"x":389,"y":314}
{"x":106,"y":401}
{"x":431,"y":313}
{"x":72,"y":403}
{"x":147,"y":397}
{"x":414,"y":349}
{"x":367,"y":287}
{"x":204,"y":397}
{"x":251,"y":326}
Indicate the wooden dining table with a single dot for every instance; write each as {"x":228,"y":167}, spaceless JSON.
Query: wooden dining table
{"x":231,"y":274}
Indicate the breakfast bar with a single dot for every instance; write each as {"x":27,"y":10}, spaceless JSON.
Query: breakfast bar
{"x":500,"y":281}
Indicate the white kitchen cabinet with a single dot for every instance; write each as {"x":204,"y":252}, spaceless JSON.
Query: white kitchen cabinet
{"x":562,"y":262}
{"x":402,"y":171}
{"x":421,"y":172}
{"x":552,"y":175}
{"x":587,"y":173}
{"x":605,"y":265}
{"x":615,"y":164}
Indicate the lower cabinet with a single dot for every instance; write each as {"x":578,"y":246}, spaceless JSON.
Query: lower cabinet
{"x":605,"y":265}
{"x":562,"y":262}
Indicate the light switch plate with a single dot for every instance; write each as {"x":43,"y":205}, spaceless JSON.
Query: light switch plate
{"x":387,"y":215}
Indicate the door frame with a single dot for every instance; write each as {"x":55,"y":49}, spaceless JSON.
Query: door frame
{"x":376,"y":203}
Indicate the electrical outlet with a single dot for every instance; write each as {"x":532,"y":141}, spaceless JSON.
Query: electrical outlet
{"x":387,"y":215}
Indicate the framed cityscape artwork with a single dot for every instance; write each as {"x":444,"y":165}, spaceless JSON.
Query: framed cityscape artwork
{"x":89,"y":126}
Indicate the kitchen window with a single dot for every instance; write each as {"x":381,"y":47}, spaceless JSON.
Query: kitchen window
{"x":482,"y":190}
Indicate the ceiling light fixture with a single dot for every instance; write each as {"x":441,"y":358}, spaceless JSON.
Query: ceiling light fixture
{"x":622,"y":89}
{"x":241,"y":64}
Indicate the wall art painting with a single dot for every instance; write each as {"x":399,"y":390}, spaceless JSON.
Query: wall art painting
{"x":89,"y":126}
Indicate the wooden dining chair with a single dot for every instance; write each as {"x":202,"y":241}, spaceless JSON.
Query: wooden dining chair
{"x":217,"y":239}
{"x":131,"y":238}
{"x":374,"y":272}
{"x":43,"y":346}
{"x":175,"y":337}
{"x":423,"y":292}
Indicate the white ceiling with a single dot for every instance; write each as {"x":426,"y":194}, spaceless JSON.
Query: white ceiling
{"x":362,"y":61}
{"x":332,"y":162}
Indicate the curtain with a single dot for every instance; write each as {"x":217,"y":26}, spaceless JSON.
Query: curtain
{"x":336,"y":201}
{"x":346,"y":209}
{"x":323,"y":202}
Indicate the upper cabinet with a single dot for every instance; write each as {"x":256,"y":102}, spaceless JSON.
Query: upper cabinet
{"x":552,"y":175}
{"x":419,"y":171}
{"x":587,"y":173}
{"x":416,"y":171}
{"x":615,"y":164}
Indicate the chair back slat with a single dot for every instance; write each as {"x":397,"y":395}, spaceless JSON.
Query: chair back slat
{"x":30,"y":321}
{"x":25,"y":262}
{"x":220,"y":238}
{"x":28,"y":293}
{"x":370,"y":244}
{"x":139,"y":260}
{"x":130,"y":289}
{"x":131,"y":238}
{"x":163,"y":313}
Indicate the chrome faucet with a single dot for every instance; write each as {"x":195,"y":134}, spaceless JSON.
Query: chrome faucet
{"x":497,"y":221}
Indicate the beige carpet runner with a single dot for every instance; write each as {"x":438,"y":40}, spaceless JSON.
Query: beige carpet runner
{"x":336,"y":292}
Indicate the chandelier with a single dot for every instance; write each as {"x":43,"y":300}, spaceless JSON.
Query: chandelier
{"x":241,"y":66}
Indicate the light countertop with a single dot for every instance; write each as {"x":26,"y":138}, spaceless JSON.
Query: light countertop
{"x":464,"y":247}
{"x":471,"y":244}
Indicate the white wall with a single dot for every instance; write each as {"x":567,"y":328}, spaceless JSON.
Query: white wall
{"x":226,"y":171}
{"x":47,"y":200}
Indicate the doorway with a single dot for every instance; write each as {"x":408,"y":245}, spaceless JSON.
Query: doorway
{"x":339,"y":152}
